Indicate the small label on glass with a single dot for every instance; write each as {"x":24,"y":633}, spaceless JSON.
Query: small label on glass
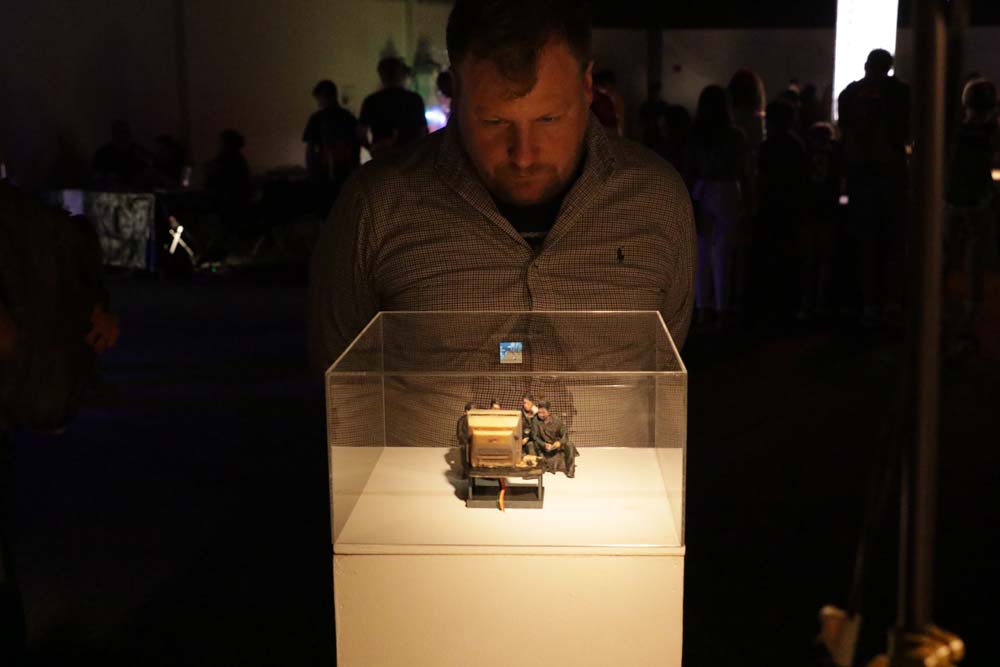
{"x":510,"y":352}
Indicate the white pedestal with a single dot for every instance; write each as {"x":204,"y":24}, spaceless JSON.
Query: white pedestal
{"x":594,"y":578}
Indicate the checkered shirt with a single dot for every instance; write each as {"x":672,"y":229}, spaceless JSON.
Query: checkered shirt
{"x":419,"y":231}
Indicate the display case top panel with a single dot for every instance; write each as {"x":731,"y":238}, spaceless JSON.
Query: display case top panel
{"x":477,"y":342}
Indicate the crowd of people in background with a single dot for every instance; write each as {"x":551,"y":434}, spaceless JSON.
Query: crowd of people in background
{"x":802,"y":218}
{"x":798,"y":216}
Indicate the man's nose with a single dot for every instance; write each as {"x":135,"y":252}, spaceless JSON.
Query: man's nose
{"x":521,"y":147}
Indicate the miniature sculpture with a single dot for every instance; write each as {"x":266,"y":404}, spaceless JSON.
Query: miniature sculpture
{"x":462,"y":432}
{"x":551,"y":442}
{"x":498,"y":444}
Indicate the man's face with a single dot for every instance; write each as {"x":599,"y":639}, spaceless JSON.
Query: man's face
{"x":544,"y":414}
{"x":526,"y":149}
{"x":527,"y":404}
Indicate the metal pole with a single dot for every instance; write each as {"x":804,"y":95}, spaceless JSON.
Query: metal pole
{"x":919,"y":490}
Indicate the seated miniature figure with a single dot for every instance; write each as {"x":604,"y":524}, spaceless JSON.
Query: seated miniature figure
{"x":462,"y":433}
{"x":529,"y":415}
{"x":550,"y":442}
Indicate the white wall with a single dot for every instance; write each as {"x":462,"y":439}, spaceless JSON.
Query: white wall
{"x":69,"y":68}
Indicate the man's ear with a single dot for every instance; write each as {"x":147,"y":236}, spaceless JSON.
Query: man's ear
{"x":588,"y":83}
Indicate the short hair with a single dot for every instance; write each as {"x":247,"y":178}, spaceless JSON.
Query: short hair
{"x":512,"y":33}
{"x":780,"y":115}
{"x":494,"y":402}
{"x":326,"y":88}
{"x":979,"y":95}
{"x":545,"y":405}
{"x":469,"y":406}
{"x":232,"y":139}
{"x":392,"y":70}
{"x":528,"y":397}
{"x":879,"y":61}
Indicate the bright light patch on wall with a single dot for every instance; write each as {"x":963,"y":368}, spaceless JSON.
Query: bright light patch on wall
{"x":862,"y":26}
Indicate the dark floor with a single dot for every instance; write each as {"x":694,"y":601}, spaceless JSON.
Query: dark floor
{"x":186,"y":521}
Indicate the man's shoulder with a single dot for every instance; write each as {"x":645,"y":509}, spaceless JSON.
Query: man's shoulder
{"x":403,"y":167}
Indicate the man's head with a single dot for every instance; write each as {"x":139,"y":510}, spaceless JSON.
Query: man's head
{"x":879,"y":63}
{"x":528,"y":403}
{"x":325,"y":93}
{"x":544,"y":410}
{"x":393,"y":72}
{"x":231,"y":142}
{"x":469,"y":406}
{"x":495,"y":405}
{"x":979,"y":98}
{"x":523,"y":87}
{"x":780,"y":117}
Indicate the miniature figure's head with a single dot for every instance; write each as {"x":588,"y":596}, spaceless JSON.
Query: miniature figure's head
{"x":528,"y":403}
{"x":544,"y":410}
{"x":523,"y":84}
{"x":469,"y":406}
{"x":495,"y":405}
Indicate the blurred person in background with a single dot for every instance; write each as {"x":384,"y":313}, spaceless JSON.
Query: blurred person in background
{"x":607,"y":83}
{"x":817,"y":238}
{"x":875,"y":127}
{"x":782,"y":192}
{"x":333,"y":149}
{"x":748,"y":97}
{"x":652,"y":116}
{"x":55,"y":320}
{"x":121,"y":163}
{"x":719,"y":178}
{"x":393,"y":116}
{"x":227,"y":178}
{"x":970,"y":212}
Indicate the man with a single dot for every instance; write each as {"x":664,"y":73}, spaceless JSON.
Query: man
{"x":875,"y":123}
{"x":652,"y":116}
{"x":394,"y":115}
{"x":54,"y":321}
{"x":522,"y":203}
{"x":550,"y":442}
{"x":462,"y":433}
{"x":333,"y":149}
{"x":120,"y":163}
{"x":529,"y":415}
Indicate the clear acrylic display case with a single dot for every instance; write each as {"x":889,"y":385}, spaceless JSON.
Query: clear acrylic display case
{"x":395,"y":395}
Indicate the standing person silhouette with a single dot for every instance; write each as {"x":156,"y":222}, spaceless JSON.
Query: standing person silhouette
{"x":875,"y":124}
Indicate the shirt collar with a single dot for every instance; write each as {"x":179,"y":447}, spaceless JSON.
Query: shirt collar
{"x":456,"y":170}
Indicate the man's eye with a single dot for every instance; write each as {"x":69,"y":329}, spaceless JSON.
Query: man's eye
{"x":548,"y":119}
{"x":493,"y":121}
